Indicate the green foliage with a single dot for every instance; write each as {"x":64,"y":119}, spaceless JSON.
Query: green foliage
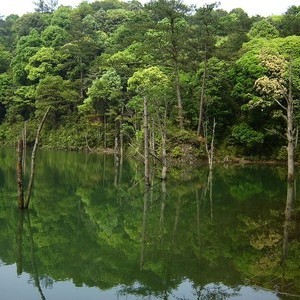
{"x":57,"y":93}
{"x":108,"y":55}
{"x":244,"y":135}
{"x":103,"y":93}
{"x":263,"y":29}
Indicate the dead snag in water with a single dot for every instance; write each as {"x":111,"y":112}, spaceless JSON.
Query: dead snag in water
{"x":33,"y":155}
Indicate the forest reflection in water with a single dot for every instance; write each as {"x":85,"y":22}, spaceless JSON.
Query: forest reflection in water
{"x":94,"y":228}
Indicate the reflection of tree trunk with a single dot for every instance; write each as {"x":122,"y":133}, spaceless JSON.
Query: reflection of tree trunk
{"x":116,"y":161}
{"x":176,"y":220}
{"x":146,"y":143}
{"x":20,"y":242}
{"x":288,"y":214}
{"x":33,"y":261}
{"x":210,"y":186}
{"x":162,"y":207}
{"x":104,"y":169}
{"x":20,"y":174}
{"x":198,"y":220}
{"x":146,"y":195}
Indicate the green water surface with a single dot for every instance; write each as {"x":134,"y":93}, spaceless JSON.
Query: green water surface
{"x":94,"y":232}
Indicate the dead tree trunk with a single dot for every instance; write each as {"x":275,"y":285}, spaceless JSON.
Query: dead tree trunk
{"x":20,"y":174}
{"x":210,"y":145}
{"x":33,"y":155}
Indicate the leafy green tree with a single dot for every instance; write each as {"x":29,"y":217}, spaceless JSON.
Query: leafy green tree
{"x":103,"y":93}
{"x":28,"y":22}
{"x":233,"y":27}
{"x":5,"y":59}
{"x":167,"y":41}
{"x":290,"y":22}
{"x":57,"y":93}
{"x":54,"y":36}
{"x":263,"y":29}
{"x":62,"y":17}
{"x":27,"y":47}
{"x":47,"y":61}
{"x":6,"y":93}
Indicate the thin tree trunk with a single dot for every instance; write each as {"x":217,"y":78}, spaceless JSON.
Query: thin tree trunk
{"x":24,"y":146}
{"x":121,"y":133}
{"x":290,"y":131}
{"x":20,"y":174}
{"x":164,"y":156}
{"x":202,"y":95}
{"x":33,"y":155}
{"x":146,"y":143}
{"x":210,"y":145}
{"x":179,"y":100}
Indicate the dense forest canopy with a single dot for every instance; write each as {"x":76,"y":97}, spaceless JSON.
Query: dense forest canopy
{"x":94,"y":65}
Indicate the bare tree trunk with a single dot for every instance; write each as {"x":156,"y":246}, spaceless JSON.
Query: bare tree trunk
{"x":210,"y":145}
{"x":121,"y":134}
{"x":164,"y":156}
{"x":290,"y":131}
{"x":24,"y":146}
{"x":20,"y":174}
{"x":179,"y":100}
{"x":34,"y":150}
{"x":146,"y":143}
{"x":202,"y":95}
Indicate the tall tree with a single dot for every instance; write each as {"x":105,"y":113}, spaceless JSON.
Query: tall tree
{"x":277,"y":86}
{"x":168,"y":39}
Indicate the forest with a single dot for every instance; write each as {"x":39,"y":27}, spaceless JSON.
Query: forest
{"x":210,"y":78}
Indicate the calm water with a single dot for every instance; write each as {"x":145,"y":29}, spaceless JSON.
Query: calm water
{"x":93,"y":232}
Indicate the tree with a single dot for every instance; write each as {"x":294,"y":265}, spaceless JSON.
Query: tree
{"x":47,"y":61}
{"x":277,"y":86}
{"x":104,"y":100}
{"x":204,"y":32}
{"x":167,"y":39}
{"x":48,"y":6}
{"x":153,"y":86}
{"x":290,"y":21}
{"x":59,"y":94}
{"x":263,"y":29}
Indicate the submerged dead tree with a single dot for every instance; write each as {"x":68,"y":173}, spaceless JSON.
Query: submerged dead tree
{"x":21,"y":202}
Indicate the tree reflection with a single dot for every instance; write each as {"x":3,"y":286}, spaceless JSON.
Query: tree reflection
{"x":84,"y":227}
